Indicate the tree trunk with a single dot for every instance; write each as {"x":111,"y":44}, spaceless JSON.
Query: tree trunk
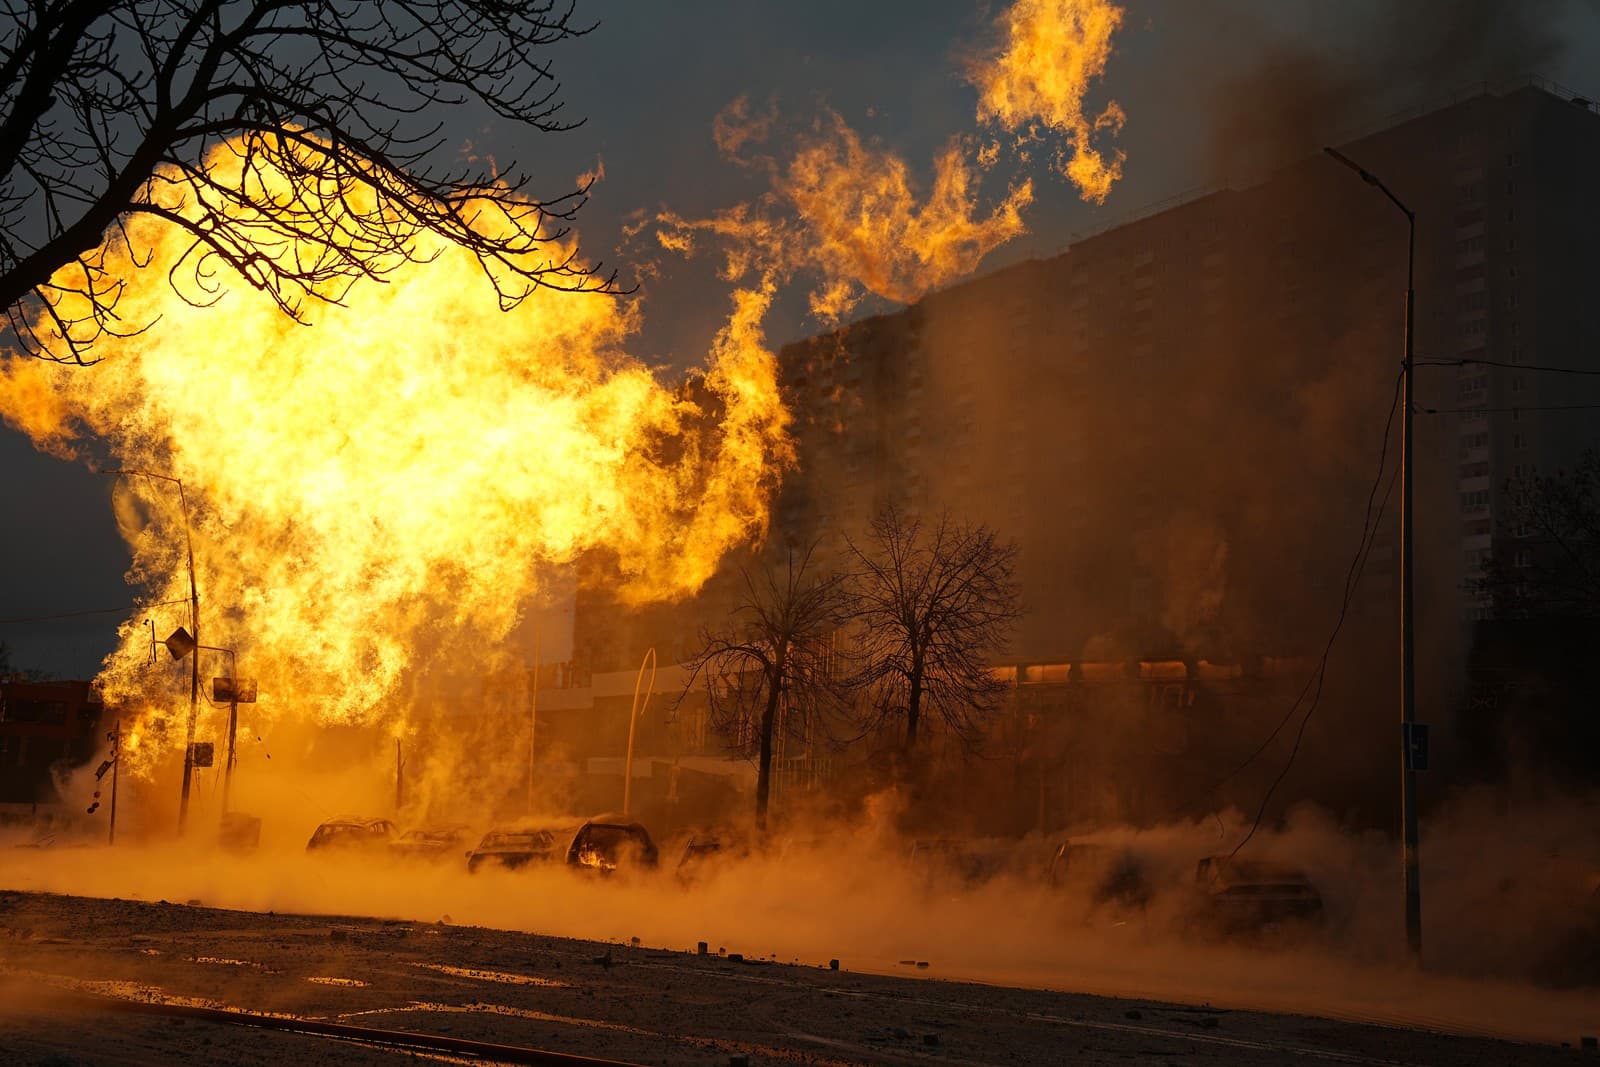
{"x":913,"y":712}
{"x":764,"y":762}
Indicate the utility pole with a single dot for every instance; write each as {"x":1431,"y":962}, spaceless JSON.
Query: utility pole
{"x":194,"y":668}
{"x":399,"y":777}
{"x":233,"y":729}
{"x":194,"y":633}
{"x":116,"y":765}
{"x":533,"y":715}
{"x":1408,"y":659}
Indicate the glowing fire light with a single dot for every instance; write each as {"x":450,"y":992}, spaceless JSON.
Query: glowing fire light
{"x":377,"y":494}
{"x":1052,"y":50}
{"x":847,"y":211}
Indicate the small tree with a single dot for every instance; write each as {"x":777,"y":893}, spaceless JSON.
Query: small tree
{"x":934,"y":606}
{"x":775,"y":664}
{"x":1546,"y":558}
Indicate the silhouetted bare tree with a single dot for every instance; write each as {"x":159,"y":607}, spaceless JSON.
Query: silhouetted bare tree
{"x":934,"y":606}
{"x":1546,"y":557}
{"x":775,"y":666}
{"x":113,"y":108}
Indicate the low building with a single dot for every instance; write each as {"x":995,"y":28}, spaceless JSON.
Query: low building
{"x":46,"y":727}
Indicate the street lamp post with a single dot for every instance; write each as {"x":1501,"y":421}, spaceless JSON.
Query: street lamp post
{"x":233,"y":717}
{"x":633,"y":721}
{"x":1408,"y":662}
{"x":194,"y":627}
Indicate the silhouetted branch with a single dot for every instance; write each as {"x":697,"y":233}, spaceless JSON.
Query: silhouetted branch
{"x":934,"y":606}
{"x":288,"y":138}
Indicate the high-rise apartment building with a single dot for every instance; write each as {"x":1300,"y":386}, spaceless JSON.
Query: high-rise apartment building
{"x":1180,"y":420}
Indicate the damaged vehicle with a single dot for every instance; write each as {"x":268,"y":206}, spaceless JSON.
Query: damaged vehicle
{"x":609,"y":843}
{"x":1101,"y":874}
{"x":949,"y":860}
{"x":429,"y":843}
{"x":1235,"y":896}
{"x":511,"y":847}
{"x":703,"y":851}
{"x":351,"y":833}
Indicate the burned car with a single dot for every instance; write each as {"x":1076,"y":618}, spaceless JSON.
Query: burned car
{"x":949,"y":860}
{"x":702,"y":851}
{"x":1234,"y":896}
{"x":1102,"y":873}
{"x":609,"y":843}
{"x":511,"y":847}
{"x":351,"y":833}
{"x":429,"y":843}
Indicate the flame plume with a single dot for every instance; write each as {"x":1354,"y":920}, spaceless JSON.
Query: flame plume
{"x":845,"y":210}
{"x":869,"y":228}
{"x":378,"y":492}
{"x":1051,"y":51}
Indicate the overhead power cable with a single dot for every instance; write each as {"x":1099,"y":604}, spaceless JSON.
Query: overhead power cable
{"x":1524,"y":407}
{"x":1371,"y":520}
{"x":1536,"y":367}
{"x":91,"y":611}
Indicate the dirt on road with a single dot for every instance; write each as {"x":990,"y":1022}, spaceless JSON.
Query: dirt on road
{"x":61,"y":958}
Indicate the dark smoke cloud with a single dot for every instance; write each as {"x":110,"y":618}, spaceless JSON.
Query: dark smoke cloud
{"x":1298,"y":95}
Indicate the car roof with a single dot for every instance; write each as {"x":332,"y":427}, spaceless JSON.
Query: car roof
{"x":1251,"y":870}
{"x":615,"y":819}
{"x":363,"y":821}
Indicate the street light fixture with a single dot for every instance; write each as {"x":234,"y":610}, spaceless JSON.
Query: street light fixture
{"x":1408,"y":662}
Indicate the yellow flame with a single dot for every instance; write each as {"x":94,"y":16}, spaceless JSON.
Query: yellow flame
{"x":850,"y":214}
{"x":869,"y":226}
{"x":378,"y":492}
{"x":847,"y":210}
{"x":1051,"y":51}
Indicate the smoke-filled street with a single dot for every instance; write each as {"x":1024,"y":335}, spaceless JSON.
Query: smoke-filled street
{"x":644,"y":1003}
{"x":1023,"y":531}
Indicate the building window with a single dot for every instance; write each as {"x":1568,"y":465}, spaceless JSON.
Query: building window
{"x":1517,"y":441}
{"x":1475,"y":501}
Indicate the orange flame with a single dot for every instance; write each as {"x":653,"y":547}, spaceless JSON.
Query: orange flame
{"x":378,"y":493}
{"x":1051,"y":51}
{"x":847,"y":211}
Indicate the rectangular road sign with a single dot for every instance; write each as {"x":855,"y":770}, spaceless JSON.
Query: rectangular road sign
{"x":233,"y":690}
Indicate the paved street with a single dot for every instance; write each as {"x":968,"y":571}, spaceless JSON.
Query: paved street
{"x":613,"y":1000}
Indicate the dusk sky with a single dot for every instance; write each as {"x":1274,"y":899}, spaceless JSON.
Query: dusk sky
{"x":652,"y":77}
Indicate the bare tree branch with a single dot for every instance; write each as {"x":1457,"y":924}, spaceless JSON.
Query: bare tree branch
{"x":775,"y":666}
{"x":934,"y":607}
{"x":110,"y":108}
{"x":1546,"y":555}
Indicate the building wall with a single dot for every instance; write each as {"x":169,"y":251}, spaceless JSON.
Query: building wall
{"x":1180,"y":420}
{"x":44,"y":725}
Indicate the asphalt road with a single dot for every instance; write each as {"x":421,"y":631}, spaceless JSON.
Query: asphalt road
{"x":59,"y":954}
